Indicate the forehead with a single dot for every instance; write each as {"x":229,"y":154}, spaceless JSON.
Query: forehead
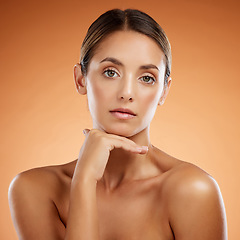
{"x":130,"y":46}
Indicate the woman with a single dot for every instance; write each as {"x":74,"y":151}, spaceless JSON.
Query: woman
{"x":121,"y":186}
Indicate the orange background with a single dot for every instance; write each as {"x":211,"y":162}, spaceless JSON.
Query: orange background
{"x":42,"y":116}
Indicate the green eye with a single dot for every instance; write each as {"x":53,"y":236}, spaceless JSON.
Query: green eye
{"x":110,"y":73}
{"x":148,"y":79}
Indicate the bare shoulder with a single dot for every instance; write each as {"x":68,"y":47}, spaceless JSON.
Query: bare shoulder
{"x":41,"y":180}
{"x":32,"y":197}
{"x":188,"y":178}
{"x":195,"y":204}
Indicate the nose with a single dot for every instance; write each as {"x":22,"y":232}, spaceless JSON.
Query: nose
{"x":126,"y":89}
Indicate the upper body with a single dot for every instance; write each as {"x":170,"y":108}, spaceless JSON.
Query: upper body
{"x":121,"y":186}
{"x":178,"y":201}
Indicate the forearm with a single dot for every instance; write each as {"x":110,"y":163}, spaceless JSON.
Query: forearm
{"x":82,"y":221}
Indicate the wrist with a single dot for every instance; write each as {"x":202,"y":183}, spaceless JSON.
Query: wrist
{"x":82,"y":181}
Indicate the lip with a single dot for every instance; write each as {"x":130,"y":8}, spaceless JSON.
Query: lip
{"x":123,"y":113}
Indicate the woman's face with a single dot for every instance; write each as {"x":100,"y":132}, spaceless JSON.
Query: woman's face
{"x":126,"y":74}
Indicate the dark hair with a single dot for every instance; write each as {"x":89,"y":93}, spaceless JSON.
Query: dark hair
{"x":129,"y":19}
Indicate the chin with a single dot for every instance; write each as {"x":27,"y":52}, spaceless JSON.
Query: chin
{"x":122,"y":131}
{"x":119,"y":133}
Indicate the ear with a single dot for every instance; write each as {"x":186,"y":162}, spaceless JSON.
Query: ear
{"x":79,"y":79}
{"x":165,"y":91}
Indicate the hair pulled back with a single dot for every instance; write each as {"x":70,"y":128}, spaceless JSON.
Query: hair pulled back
{"x":129,"y":19}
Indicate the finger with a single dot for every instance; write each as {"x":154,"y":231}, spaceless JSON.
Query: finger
{"x":140,"y":149}
{"x":127,"y":145}
{"x":86,"y":131}
{"x":129,"y":141}
{"x":115,"y":141}
{"x":144,"y":149}
{"x":136,"y":148}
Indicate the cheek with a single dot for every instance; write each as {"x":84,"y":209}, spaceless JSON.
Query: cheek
{"x":148,"y":106}
{"x":150,"y":99}
{"x":97,"y":95}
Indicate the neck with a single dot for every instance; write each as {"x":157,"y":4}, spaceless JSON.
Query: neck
{"x":124,"y":166}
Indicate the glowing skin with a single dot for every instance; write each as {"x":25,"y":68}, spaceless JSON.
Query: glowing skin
{"x":118,"y":188}
{"x":127,"y":71}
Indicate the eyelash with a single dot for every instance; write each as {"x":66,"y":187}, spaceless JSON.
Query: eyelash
{"x":153,"y":80}
{"x":106,"y":72}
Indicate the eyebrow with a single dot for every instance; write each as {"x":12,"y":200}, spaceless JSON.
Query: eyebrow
{"x":149,"y":66}
{"x":113,"y":60}
{"x":117,"y":62}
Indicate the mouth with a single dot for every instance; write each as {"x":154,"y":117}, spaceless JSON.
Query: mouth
{"x":123,"y":113}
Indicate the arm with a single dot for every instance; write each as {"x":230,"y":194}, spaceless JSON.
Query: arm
{"x":33,"y":210}
{"x":34,"y":214}
{"x":83,"y":219}
{"x":196,"y":209}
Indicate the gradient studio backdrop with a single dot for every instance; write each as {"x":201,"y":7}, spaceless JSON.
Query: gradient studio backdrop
{"x":42,"y":116}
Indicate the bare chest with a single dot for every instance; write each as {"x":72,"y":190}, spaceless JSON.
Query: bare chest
{"x":133,"y":212}
{"x":134,"y":219}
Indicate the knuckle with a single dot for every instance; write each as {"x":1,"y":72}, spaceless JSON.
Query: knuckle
{"x":93,"y":133}
{"x":101,"y":140}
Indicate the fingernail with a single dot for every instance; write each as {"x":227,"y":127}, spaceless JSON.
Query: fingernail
{"x":145,"y":148}
{"x":139,"y":149}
